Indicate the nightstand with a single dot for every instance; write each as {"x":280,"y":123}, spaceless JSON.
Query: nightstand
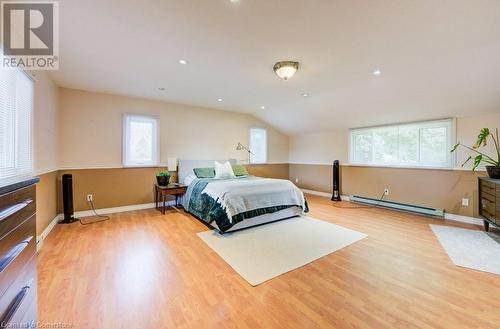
{"x":161,"y":193}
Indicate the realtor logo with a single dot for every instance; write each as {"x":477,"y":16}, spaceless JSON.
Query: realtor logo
{"x":30,"y":38}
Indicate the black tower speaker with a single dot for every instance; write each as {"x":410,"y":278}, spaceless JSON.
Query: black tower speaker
{"x":336,"y":181}
{"x":67,"y":188}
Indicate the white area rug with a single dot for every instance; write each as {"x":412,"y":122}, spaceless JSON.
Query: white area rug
{"x":469,"y":248}
{"x":261,"y":253}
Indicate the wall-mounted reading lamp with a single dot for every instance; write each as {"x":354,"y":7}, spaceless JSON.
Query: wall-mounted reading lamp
{"x":241,"y":147}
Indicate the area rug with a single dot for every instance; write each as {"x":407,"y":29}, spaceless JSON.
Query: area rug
{"x":261,"y":253}
{"x":473,"y":249}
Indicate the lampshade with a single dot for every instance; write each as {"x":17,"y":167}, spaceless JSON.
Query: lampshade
{"x":286,"y":69}
{"x":172,"y":164}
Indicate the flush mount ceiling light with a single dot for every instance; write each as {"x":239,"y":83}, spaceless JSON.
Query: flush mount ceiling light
{"x":263,"y":107}
{"x":285,"y":69}
{"x":377,"y":72}
{"x":183,"y":61}
{"x":161,"y":89}
{"x":304,"y":94}
{"x":219,"y":100}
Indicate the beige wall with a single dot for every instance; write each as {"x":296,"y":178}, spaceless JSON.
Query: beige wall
{"x":325,"y":147}
{"x":319,"y":148}
{"x":46,"y":200}
{"x":45,"y":147}
{"x":311,"y":156}
{"x":91,"y":137}
{"x":434,"y":188}
{"x":116,"y":187}
{"x":91,"y":130}
{"x":46,"y":124}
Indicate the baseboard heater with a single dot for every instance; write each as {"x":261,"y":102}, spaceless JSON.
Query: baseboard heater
{"x":435,"y":212}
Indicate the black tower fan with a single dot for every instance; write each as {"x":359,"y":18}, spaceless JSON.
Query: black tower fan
{"x":336,"y":181}
{"x":67,"y":187}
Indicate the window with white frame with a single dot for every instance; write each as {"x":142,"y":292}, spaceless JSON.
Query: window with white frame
{"x":16,"y":113}
{"x":258,"y":145}
{"x":140,"y":140}
{"x":420,"y":144}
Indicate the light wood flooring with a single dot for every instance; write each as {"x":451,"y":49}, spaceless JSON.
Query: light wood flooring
{"x":143,"y":269}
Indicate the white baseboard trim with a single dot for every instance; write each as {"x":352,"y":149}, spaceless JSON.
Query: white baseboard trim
{"x":86,"y":213}
{"x":447,"y":216}
{"x":323,"y":194}
{"x":113,"y":210}
{"x":46,"y":232}
{"x":326,"y":195}
{"x":463,"y":219}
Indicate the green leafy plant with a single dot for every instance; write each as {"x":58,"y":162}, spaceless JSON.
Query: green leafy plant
{"x":163,"y":173}
{"x":482,"y":140}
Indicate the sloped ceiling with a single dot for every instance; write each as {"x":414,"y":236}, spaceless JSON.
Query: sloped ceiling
{"x":438,"y":58}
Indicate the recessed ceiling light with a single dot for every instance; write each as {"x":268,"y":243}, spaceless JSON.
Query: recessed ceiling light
{"x":161,"y":89}
{"x":377,"y":72}
{"x":219,"y":100}
{"x":183,"y":61}
{"x":263,"y":107}
{"x":304,"y":94}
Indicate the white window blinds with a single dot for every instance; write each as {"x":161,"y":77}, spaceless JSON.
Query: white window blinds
{"x":420,"y":144}
{"x":258,"y":145}
{"x":140,"y":140}
{"x":16,"y":113}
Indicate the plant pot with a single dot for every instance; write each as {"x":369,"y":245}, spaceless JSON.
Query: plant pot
{"x":493,"y":171}
{"x":163,"y":180}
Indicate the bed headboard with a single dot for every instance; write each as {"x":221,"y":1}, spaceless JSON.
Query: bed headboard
{"x":186,"y":166}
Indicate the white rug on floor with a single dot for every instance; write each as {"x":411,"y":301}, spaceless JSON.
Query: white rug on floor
{"x":469,"y":248}
{"x":261,"y":253}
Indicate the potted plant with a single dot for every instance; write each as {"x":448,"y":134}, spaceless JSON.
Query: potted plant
{"x":493,"y":166}
{"x":163,"y":178}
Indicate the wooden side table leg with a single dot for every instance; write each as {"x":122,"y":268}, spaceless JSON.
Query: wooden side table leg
{"x":163,"y":196}
{"x":486,"y":225}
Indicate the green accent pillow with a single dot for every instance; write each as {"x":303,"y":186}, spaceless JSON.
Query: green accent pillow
{"x":239,"y":170}
{"x":204,"y":172}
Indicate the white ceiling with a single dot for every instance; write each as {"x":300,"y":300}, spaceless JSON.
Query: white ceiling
{"x":438,"y":58}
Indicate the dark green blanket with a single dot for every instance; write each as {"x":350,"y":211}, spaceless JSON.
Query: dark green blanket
{"x":206,"y":208}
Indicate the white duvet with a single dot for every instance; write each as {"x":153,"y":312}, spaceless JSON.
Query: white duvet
{"x":241,"y":195}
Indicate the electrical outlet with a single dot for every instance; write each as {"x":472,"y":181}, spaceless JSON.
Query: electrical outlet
{"x":296,"y":180}
{"x":90,"y":197}
{"x":465,"y":202}
{"x":386,"y":191}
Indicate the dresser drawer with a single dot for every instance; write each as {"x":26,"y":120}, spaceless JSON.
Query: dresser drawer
{"x":180,"y":190}
{"x":18,"y":298}
{"x":489,"y":197}
{"x":488,"y":187}
{"x":487,"y":205}
{"x":15,"y":207}
{"x":16,"y":249}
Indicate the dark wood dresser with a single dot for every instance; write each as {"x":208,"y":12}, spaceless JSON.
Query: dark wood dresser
{"x":18,"y":300}
{"x":489,"y":201}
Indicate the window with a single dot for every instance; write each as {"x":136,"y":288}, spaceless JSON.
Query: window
{"x":16,"y":112}
{"x":140,"y":140}
{"x":258,"y":145}
{"x":422,"y":144}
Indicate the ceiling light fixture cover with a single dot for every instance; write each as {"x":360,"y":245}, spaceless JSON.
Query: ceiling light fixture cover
{"x":286,"y":69}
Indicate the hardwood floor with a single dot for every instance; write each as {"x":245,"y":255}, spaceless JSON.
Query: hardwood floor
{"x":147,"y":270}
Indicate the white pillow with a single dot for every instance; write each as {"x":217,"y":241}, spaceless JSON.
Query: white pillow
{"x":189,"y":179}
{"x":223,"y":170}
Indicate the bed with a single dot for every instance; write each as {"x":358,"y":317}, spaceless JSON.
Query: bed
{"x":233,"y":204}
